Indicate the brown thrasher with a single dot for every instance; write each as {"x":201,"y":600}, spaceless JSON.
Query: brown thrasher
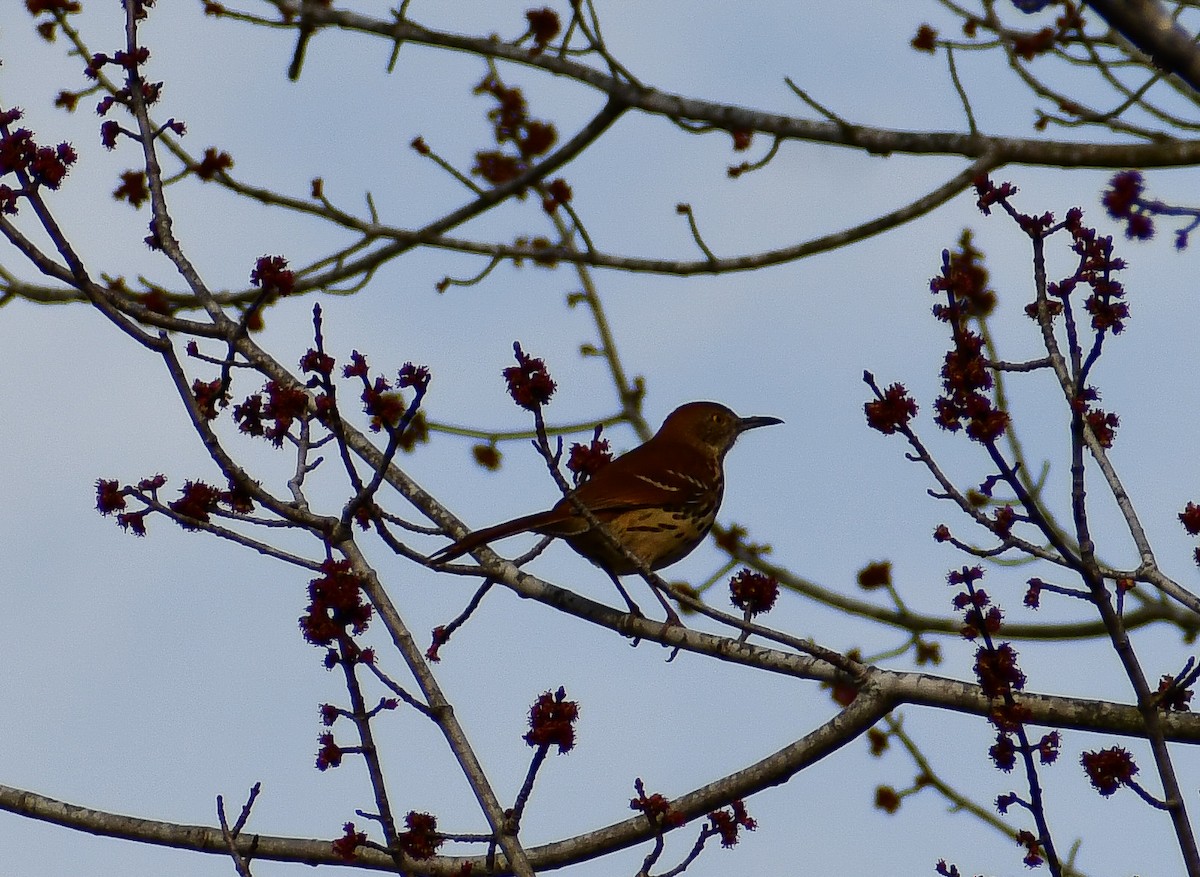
{"x":659,"y":500}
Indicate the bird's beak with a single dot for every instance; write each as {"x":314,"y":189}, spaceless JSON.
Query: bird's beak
{"x":745,"y":423}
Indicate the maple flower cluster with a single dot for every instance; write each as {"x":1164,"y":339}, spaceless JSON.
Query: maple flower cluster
{"x":552,"y":721}
{"x":529,"y":383}
{"x":335,"y":605}
{"x":584,"y":461}
{"x":753,"y":592}
{"x":33,"y":166}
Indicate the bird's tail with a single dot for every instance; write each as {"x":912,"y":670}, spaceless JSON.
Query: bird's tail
{"x":540,"y":522}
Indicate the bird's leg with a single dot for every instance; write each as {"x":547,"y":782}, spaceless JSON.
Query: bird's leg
{"x":672,"y":615}
{"x":634,"y":609}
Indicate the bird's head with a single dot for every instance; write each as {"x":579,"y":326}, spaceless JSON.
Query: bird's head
{"x":709,"y":426}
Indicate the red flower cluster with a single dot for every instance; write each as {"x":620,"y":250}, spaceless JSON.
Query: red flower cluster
{"x":197,"y":501}
{"x":753,"y":592}
{"x":997,"y":670}
{"x":346,"y":845}
{"x":1108,"y":769}
{"x":552,"y":721}
{"x":109,"y":497}
{"x":38,"y":6}
{"x":543,"y":26}
{"x":20,"y":154}
{"x":273,"y":275}
{"x":330,"y":754}
{"x":966,"y":377}
{"x":1123,"y":201}
{"x":875,"y":575}
{"x":416,"y":376}
{"x":1173,"y":695}
{"x":422,"y":840}
{"x":584,"y":461}
{"x":213,"y":163}
{"x":557,"y":192}
{"x":925,"y":39}
{"x":1033,"y":857}
{"x":989,"y":193}
{"x":656,"y":807}
{"x":1190,"y":518}
{"x":727,"y":822}
{"x":529,"y":383}
{"x":283,"y":406}
{"x":335,"y":604}
{"x":892,"y":411}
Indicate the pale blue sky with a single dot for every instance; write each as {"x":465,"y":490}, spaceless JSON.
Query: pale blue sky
{"x":148,"y":676}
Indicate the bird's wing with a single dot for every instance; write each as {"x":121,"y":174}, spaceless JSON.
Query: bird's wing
{"x":638,"y":480}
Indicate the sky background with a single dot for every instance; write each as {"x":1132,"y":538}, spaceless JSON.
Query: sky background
{"x":147,"y":676}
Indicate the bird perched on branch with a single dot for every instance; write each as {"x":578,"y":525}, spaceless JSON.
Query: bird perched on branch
{"x":658,"y":501}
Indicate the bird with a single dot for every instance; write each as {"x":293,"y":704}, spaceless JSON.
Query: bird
{"x":659,"y":500}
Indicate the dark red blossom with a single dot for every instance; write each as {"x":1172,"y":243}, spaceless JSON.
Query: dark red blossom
{"x":496,"y":167}
{"x":727,"y":822}
{"x":557,"y":193}
{"x":1030,"y":45}
{"x":584,"y":461}
{"x":1048,"y":747}
{"x":1033,"y":596}
{"x":440,"y":637}
{"x":385,"y":406}
{"x":133,"y":188}
{"x":330,"y":754}
{"x":1033,"y":857}
{"x":892,"y":412}
{"x":1104,"y":426}
{"x":552,"y":721}
{"x":1190,"y":518}
{"x":529,"y":383}
{"x":214,"y":162}
{"x":925,"y":39}
{"x":273,"y":275}
{"x":335,"y":604}
{"x":421,"y":840}
{"x":134,"y":522}
{"x":357,"y":367}
{"x":271,"y":412}
{"x":887,"y":799}
{"x":753,"y":592}
{"x":1123,"y":201}
{"x":109,"y":497}
{"x":108,"y":134}
{"x":1108,"y":769}
{"x":1003,"y":752}
{"x":209,"y":396}
{"x":346,"y":845}
{"x":197,"y":501}
{"x":656,"y":807}
{"x":989,"y":193}
{"x":1173,"y":695}
{"x":997,"y":670}
{"x":317,"y":362}
{"x":8,"y":200}
{"x":68,"y":7}
{"x":875,"y":575}
{"x":543,"y":26}
{"x":416,"y":376}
